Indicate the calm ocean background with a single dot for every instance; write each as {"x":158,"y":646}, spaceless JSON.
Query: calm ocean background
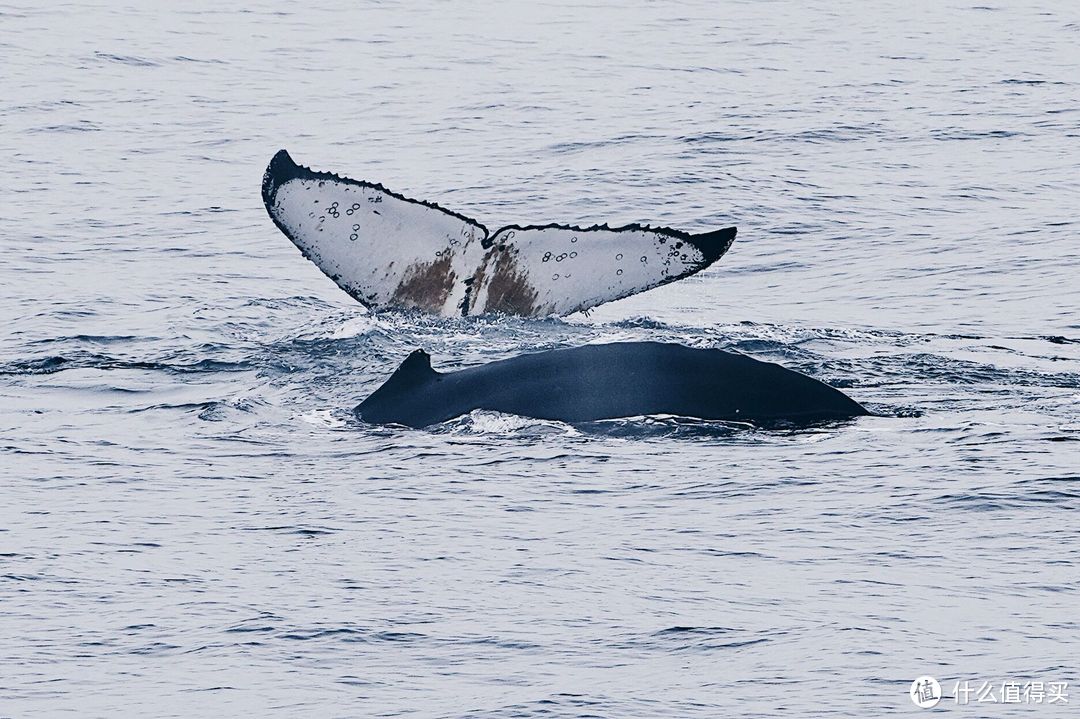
{"x":193,"y":524}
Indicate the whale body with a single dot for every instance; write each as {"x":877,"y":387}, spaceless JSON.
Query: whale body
{"x":390,"y":252}
{"x":594,"y":382}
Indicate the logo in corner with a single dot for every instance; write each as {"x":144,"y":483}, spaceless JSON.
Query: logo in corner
{"x":925,"y":692}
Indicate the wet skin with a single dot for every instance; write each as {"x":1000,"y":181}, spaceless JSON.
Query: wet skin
{"x":593,"y":382}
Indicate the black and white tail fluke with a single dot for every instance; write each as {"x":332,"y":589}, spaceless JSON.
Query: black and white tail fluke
{"x":389,"y":251}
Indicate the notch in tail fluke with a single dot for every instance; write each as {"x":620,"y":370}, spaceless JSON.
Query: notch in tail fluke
{"x":392,"y":252}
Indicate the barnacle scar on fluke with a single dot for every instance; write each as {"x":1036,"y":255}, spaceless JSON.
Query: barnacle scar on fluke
{"x":594,"y":382}
{"x":389,"y":251}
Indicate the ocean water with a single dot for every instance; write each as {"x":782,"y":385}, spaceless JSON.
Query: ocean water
{"x":192,"y":523}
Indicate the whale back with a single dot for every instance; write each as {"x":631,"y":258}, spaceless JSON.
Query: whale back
{"x":595,"y":382}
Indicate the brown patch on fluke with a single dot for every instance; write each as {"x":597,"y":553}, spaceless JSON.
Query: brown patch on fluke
{"x":508,"y":290}
{"x":426,"y":285}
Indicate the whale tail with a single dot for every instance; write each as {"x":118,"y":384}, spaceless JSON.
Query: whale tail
{"x":392,"y":252}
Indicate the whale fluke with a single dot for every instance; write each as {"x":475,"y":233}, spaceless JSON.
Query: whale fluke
{"x":390,"y":251}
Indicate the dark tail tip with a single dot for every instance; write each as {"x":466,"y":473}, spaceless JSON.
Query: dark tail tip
{"x":280,"y":170}
{"x":714,"y":244}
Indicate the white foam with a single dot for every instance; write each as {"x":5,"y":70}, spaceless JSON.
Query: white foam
{"x":322,"y":418}
{"x":354,"y":327}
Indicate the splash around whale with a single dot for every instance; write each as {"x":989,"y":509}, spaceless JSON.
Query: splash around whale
{"x":595,"y":382}
{"x":392,"y":252}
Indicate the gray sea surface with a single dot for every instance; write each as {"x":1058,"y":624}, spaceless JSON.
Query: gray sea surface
{"x":192,"y":522}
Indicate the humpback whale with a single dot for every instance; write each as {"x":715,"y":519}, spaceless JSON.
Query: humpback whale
{"x":593,"y":382}
{"x":389,"y":251}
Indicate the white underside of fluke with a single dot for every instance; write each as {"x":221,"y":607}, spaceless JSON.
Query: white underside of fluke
{"x":388,"y":251}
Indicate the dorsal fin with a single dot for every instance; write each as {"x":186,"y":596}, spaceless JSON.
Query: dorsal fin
{"x":416,"y":369}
